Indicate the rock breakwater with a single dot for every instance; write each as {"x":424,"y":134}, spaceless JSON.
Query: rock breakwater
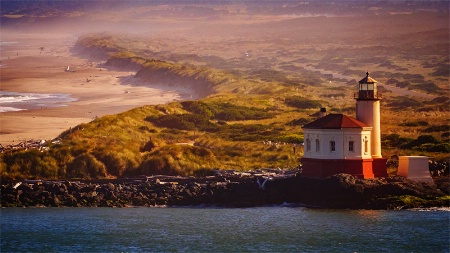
{"x":339,"y":191}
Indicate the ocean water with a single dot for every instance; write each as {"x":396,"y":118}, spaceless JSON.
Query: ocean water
{"x":262,"y":229}
{"x":16,"y":101}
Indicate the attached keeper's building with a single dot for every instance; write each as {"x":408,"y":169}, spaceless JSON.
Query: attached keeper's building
{"x":337,"y":143}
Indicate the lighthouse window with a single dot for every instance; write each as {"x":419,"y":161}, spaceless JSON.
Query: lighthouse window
{"x":332,"y":146}
{"x":366,"y":146}
{"x":317,"y":145}
{"x":351,"y":146}
{"x":370,"y":86}
{"x":308,"y":145}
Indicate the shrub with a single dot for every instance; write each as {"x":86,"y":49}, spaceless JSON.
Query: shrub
{"x":391,"y":81}
{"x":157,"y":165}
{"x":302,"y":103}
{"x":422,"y":139}
{"x":427,"y":87}
{"x":384,"y":90}
{"x":431,"y":147}
{"x":153,"y":166}
{"x":149,"y":146}
{"x":62,"y":155}
{"x":404,"y":84}
{"x":25,"y":163}
{"x":198,"y":107}
{"x":181,"y":121}
{"x":225,"y":111}
{"x":415,"y":78}
{"x":441,"y":128}
{"x":114,"y":163}
{"x":201,"y":152}
{"x":395,"y":140}
{"x":254,"y":132}
{"x":402,"y":102}
{"x":445,"y":135}
{"x":47,"y":168}
{"x":291,"y":138}
{"x":242,"y":113}
{"x":299,"y":122}
{"x":78,"y":149}
{"x":442,"y":70}
{"x":147,"y":129}
{"x":269,"y":75}
{"x":86,"y":166}
{"x":29,"y":164}
{"x":440,"y":100}
{"x":414,"y":123}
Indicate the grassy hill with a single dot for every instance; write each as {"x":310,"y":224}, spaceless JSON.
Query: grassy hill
{"x":247,"y":119}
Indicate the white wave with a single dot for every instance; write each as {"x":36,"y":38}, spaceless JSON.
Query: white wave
{"x":8,"y":42}
{"x":15,"y":97}
{"x":16,"y":101}
{"x":9,"y":109}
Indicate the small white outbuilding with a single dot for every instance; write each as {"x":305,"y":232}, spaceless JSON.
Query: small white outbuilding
{"x":414,"y":168}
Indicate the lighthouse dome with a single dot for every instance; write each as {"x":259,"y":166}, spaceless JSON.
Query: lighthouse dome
{"x":367,"y":79}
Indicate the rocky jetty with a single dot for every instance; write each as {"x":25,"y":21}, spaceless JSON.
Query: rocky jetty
{"x":339,"y":191}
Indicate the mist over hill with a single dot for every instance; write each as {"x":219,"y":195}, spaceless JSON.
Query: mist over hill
{"x":19,"y":12}
{"x":258,"y":6}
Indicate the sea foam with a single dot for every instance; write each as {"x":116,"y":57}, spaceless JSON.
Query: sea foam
{"x":17,"y":101}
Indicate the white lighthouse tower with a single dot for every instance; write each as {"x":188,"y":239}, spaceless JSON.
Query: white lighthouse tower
{"x":368,"y":111}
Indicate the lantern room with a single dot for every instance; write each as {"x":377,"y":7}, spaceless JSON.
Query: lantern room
{"x":367,"y":89}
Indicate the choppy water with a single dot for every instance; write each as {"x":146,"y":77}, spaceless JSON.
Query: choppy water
{"x":16,"y":101}
{"x":264,"y":229}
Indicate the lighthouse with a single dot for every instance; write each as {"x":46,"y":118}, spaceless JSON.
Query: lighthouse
{"x":338,"y":143}
{"x":368,"y":111}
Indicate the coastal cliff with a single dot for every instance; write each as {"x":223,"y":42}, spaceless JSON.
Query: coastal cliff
{"x":340,"y":191}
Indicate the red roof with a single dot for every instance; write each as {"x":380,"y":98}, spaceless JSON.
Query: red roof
{"x":335,"y":121}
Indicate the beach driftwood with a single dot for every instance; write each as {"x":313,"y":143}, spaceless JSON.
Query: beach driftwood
{"x":24,"y":145}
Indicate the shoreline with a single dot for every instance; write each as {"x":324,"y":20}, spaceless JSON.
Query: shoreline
{"x":340,"y":191}
{"x":96,"y":90}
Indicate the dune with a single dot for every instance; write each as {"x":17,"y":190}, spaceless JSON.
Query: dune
{"x":37,"y":63}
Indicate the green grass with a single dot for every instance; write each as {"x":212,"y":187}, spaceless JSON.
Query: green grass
{"x":407,"y":201}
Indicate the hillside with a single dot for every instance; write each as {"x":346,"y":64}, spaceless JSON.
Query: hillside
{"x":240,"y":124}
{"x":261,"y":73}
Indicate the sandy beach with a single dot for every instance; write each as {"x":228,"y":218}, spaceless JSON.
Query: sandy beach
{"x":36,"y":63}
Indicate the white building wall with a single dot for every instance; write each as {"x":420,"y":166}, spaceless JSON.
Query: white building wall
{"x":342,"y":139}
